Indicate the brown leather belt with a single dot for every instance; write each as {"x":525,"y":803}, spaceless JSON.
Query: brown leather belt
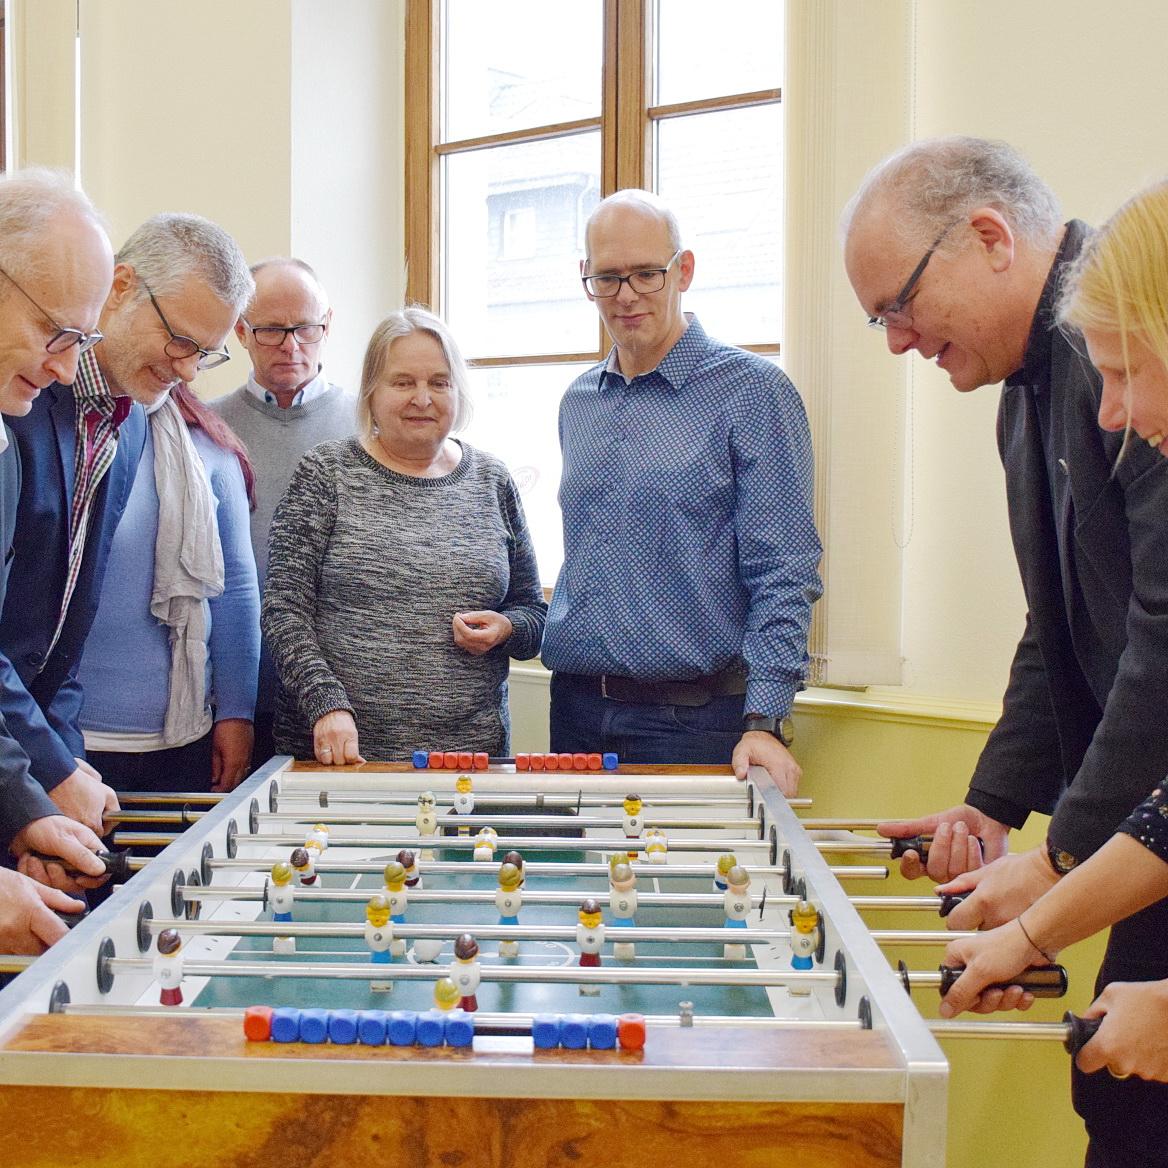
{"x":696,"y":691}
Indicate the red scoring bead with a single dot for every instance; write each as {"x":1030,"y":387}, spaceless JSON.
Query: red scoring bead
{"x":580,"y":762}
{"x":482,"y":760}
{"x":522,"y":762}
{"x":450,"y":759}
{"x":551,"y":762}
{"x":465,"y":759}
{"x":565,"y":762}
{"x":535,"y":763}
{"x":630,"y":1031}
{"x":595,"y":762}
{"x":257,"y":1023}
{"x":435,"y":760}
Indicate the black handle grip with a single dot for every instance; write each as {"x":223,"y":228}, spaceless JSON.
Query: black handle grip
{"x":912,"y":843}
{"x":1043,"y":981}
{"x":117,"y":864}
{"x":1080,"y":1031}
{"x":950,"y":902}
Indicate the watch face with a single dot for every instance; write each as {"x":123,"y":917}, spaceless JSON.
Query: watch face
{"x":1061,"y":861}
{"x":786,"y":730}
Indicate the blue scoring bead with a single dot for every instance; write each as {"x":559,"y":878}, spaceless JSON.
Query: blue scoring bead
{"x":314,"y":1025}
{"x":421,"y":759}
{"x":545,"y":1031}
{"x":342,"y":1027}
{"x":285,"y":1024}
{"x":402,"y":1028}
{"x":574,"y":1032}
{"x":459,"y":1028}
{"x":602,"y":1031}
{"x":610,"y":762}
{"x":371,"y":1027}
{"x":431,"y":1028}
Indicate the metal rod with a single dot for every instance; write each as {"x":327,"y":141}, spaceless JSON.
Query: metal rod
{"x":453,"y":820}
{"x":535,"y":843}
{"x":131,"y":798}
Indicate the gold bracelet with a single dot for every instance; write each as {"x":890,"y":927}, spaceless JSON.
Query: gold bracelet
{"x":1042,"y":952}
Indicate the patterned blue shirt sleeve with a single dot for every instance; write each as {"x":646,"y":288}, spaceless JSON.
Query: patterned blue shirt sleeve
{"x":1148,"y":823}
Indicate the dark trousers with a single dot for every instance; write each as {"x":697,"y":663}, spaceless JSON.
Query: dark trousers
{"x":582,"y":720}
{"x":1125,"y":1118}
{"x":265,"y":745}
{"x":181,"y":768}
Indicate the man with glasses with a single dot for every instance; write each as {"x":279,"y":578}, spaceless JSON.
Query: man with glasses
{"x":169,"y":311}
{"x":1082,"y":736}
{"x":677,"y":630}
{"x":55,"y":266}
{"x":287,"y":407}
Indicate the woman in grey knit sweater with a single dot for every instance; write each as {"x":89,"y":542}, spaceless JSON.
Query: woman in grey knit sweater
{"x":401,"y":575}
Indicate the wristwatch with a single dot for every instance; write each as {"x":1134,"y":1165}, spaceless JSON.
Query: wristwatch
{"x":782,"y":728}
{"x":1061,"y":861}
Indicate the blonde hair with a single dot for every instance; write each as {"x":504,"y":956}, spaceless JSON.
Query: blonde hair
{"x":1119,"y":283}
{"x":403,"y":323}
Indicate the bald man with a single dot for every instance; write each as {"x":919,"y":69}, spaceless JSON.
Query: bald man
{"x":287,"y":407}
{"x":677,"y":630}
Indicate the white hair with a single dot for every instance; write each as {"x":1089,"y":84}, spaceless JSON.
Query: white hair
{"x":31,"y":200}
{"x":930,"y":185}
{"x":644,"y":201}
{"x":169,"y":248}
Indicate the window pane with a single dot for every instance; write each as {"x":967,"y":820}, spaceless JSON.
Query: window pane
{"x":514,"y":234}
{"x":514,"y":64}
{"x":515,"y":415}
{"x":739,"y":52}
{"x":722,"y":174}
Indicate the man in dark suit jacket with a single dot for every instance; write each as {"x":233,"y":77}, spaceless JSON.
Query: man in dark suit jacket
{"x":176,"y":286}
{"x":1083,"y":736}
{"x":55,"y":264}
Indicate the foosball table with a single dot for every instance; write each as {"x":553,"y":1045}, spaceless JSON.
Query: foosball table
{"x":276,"y":984}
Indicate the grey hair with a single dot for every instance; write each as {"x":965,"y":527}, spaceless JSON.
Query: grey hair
{"x":292,"y":262}
{"x":936,"y":182}
{"x":405,"y":322}
{"x":169,"y":248}
{"x":645,"y":201}
{"x":30,"y":200}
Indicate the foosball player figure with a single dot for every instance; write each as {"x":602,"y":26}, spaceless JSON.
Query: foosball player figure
{"x":726,"y":861}
{"x":485,"y":844}
{"x":465,"y":971}
{"x":590,"y":939}
{"x":804,"y":939}
{"x":426,"y":820}
{"x":446,"y":995}
{"x":408,"y":860}
{"x":517,"y":859}
{"x":463,"y":799}
{"x":379,"y":937}
{"x":303,"y":861}
{"x":395,"y":893}
{"x":281,"y":896}
{"x":737,"y":903}
{"x":622,"y":902}
{"x":509,"y":900}
{"x":319,"y":834}
{"x":632,"y":822}
{"x":168,"y":967}
{"x":656,"y":846}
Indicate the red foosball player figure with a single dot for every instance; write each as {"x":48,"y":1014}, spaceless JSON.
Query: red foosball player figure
{"x":409,"y":862}
{"x":168,"y":967}
{"x":465,"y":972}
{"x":303,"y":861}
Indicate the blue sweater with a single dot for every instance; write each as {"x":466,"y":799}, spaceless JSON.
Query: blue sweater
{"x":126,"y":667}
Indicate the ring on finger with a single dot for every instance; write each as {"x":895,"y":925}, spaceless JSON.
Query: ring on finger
{"x":1117,"y":1075}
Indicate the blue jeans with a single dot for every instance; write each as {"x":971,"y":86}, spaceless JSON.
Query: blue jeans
{"x":582,"y":720}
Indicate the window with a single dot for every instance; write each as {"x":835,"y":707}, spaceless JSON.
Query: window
{"x":522,"y":116}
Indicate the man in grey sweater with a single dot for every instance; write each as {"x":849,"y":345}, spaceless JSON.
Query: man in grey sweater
{"x":286,"y":408}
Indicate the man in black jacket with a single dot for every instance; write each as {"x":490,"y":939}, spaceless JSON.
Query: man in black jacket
{"x":955,"y":247}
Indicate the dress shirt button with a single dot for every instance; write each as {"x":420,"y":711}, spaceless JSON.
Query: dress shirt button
{"x":35,"y":658}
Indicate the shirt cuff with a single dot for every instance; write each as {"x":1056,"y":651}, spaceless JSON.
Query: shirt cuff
{"x":771,"y":696}
{"x":1003,"y":810}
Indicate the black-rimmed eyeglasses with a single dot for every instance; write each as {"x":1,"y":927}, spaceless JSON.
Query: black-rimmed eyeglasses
{"x":63,"y":339}
{"x":180,"y":347}
{"x":894,"y":315}
{"x":642,"y":282}
{"x":271,"y":336}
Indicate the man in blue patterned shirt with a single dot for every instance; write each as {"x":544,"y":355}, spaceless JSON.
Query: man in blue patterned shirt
{"x":678,"y":627}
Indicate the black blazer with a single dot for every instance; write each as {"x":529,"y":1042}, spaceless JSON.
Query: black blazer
{"x":39,"y":696}
{"x":1084,"y":727}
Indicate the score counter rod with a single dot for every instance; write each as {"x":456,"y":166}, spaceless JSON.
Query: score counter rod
{"x":500,"y":821}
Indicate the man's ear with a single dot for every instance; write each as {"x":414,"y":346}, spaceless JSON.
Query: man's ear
{"x":995,"y":237}
{"x":685,"y":270}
